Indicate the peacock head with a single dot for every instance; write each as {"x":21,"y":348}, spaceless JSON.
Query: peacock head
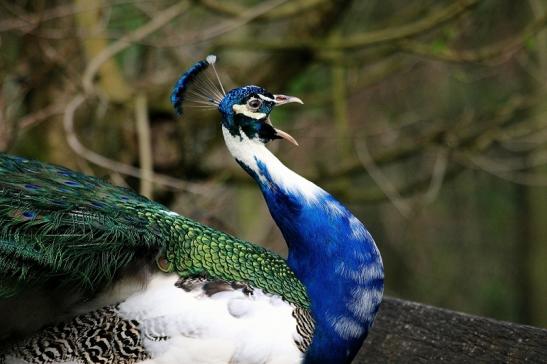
{"x":245,"y":110}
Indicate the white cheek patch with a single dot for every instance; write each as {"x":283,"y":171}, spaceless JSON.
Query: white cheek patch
{"x":242,"y":109}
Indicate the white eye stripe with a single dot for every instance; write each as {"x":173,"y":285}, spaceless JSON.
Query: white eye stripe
{"x":242,"y":109}
{"x":265,"y":98}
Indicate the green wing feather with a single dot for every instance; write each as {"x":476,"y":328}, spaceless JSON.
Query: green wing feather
{"x":60,"y":226}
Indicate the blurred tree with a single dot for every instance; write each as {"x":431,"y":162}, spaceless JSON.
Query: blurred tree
{"x":427,"y":117}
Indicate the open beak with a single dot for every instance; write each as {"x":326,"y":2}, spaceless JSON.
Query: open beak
{"x":282,"y":100}
{"x":283,"y":135}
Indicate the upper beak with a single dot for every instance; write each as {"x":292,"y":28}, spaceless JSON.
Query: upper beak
{"x":284,"y":99}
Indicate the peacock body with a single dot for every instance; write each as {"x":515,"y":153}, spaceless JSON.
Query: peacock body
{"x":122,"y":279}
{"x":71,"y":243}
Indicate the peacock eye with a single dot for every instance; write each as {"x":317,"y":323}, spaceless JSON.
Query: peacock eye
{"x":254,"y":103}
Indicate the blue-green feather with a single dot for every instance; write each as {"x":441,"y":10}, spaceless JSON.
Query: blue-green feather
{"x":57,"y":223}
{"x":181,"y":87}
{"x":65,"y":229}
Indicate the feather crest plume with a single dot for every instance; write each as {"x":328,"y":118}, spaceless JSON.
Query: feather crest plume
{"x":197,"y":87}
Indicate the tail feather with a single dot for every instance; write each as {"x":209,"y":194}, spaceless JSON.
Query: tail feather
{"x":57,"y":224}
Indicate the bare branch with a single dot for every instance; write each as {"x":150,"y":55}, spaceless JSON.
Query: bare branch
{"x":28,"y":22}
{"x":487,"y":53}
{"x":226,"y":26}
{"x":437,"y":176}
{"x":295,"y":7}
{"x":364,"y":40}
{"x":381,"y":180}
{"x":112,"y":165}
{"x":499,"y":170}
{"x":162,"y":18}
{"x":145,"y":147}
{"x":37,"y":117}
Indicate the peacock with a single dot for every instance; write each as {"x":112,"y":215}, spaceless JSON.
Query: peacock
{"x":93,"y":273}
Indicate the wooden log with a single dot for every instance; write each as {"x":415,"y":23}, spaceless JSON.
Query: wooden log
{"x":409,"y":332}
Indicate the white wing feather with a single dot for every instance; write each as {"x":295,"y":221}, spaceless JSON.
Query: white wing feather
{"x":227,"y":327}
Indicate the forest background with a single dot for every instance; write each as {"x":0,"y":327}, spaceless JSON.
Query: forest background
{"x":427,"y":118}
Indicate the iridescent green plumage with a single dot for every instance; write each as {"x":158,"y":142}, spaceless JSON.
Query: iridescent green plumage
{"x":62,"y":228}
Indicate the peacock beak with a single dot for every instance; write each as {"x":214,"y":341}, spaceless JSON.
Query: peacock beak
{"x":280,"y":133}
{"x":284,"y":99}
{"x":283,"y":135}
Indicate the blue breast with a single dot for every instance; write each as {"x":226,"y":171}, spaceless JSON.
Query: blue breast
{"x":336,"y":259}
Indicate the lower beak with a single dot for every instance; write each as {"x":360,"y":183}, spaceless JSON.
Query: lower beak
{"x":286,"y":136}
{"x":283,"y":135}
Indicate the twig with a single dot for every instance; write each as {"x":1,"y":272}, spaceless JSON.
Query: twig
{"x":528,"y":179}
{"x":525,"y":136}
{"x":381,"y":180}
{"x":295,"y":7}
{"x":364,"y":40}
{"x":27,"y":23}
{"x":227,"y":26}
{"x":145,"y":147}
{"x":437,"y":176}
{"x":5,"y":127}
{"x":162,"y":18}
{"x":478,"y":55}
{"x":340,"y":110}
{"x":41,"y":115}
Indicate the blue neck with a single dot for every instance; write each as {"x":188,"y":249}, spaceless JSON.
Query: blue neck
{"x":330,"y":251}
